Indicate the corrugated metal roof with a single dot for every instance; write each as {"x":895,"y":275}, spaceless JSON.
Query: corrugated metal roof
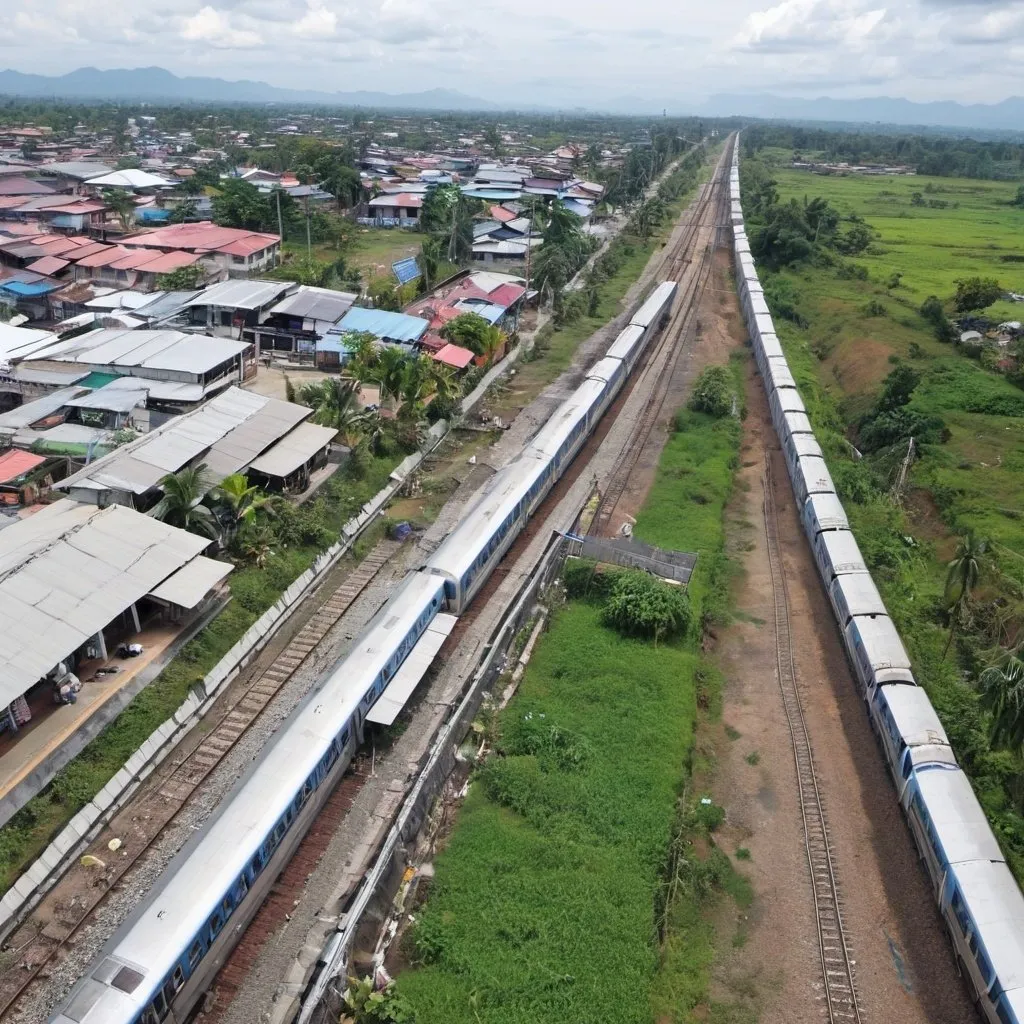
{"x":382,"y":323}
{"x":155,"y":350}
{"x":243,"y":294}
{"x":488,"y":310}
{"x":20,"y":342}
{"x":454,"y":355}
{"x":316,"y":304}
{"x":293,"y":450}
{"x":38,"y":409}
{"x":129,"y":178}
{"x":15,"y":463}
{"x":192,"y":582}
{"x":116,"y":399}
{"x":48,"y":265}
{"x":81,"y":169}
{"x":227,"y":434}
{"x":67,"y":572}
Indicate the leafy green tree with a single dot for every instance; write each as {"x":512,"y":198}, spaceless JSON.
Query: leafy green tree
{"x":182,"y":501}
{"x":713,"y":392}
{"x":552,"y":270}
{"x":976,"y":293}
{"x":856,"y":239}
{"x":431,"y":255}
{"x":184,"y":211}
{"x":448,"y":214}
{"x":239,"y":204}
{"x":640,"y":605}
{"x":123,"y":205}
{"x":472,"y":331}
{"x":1019,"y":200}
{"x":182,"y":279}
{"x":236,"y":501}
{"x":898,"y":387}
{"x":932,"y":311}
{"x":962,"y":576}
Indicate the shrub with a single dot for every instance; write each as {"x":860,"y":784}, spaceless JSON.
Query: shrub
{"x":640,"y":605}
{"x":976,"y":293}
{"x":713,"y":392}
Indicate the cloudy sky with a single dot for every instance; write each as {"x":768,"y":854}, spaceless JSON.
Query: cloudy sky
{"x":539,"y":51}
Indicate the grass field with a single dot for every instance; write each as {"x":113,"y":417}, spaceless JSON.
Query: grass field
{"x":545,"y":900}
{"x":852,"y":333}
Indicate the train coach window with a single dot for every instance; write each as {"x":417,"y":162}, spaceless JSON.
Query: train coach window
{"x":243,"y":888}
{"x":149,"y":1016}
{"x":1004,"y":1015}
{"x":908,"y":765}
{"x":178,"y":979}
{"x":227,"y":906}
{"x":195,"y":953}
{"x":960,"y":911}
{"x":216,"y":923}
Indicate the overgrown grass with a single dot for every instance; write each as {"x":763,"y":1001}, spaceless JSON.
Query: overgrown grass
{"x":253,"y":590}
{"x":547,"y":902}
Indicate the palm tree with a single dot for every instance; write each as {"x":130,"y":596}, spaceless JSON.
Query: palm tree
{"x":1002,"y":692}
{"x":961,"y":579}
{"x":334,"y":401}
{"x":431,"y":254}
{"x":182,"y":503}
{"x":122,"y":204}
{"x":389,"y":372}
{"x":240,"y":497}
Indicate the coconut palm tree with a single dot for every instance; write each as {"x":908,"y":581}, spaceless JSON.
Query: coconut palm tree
{"x":961,"y":579}
{"x":334,"y":401}
{"x":1002,"y":691}
{"x":182,"y":502}
{"x":389,"y":373}
{"x":239,"y":498}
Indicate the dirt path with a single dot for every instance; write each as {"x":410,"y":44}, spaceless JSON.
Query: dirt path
{"x":904,"y":966}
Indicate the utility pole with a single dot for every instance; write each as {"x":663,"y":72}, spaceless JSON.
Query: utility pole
{"x":280,"y":223}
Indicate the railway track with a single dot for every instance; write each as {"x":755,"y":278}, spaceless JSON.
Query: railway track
{"x":80,"y":892}
{"x":664,"y":360}
{"x":837,"y":965}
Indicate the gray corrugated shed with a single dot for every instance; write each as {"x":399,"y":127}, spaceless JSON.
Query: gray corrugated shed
{"x":67,"y":572}
{"x":113,"y":399}
{"x":165,"y":304}
{"x":316,"y":304}
{"x":227,"y":434}
{"x":154,"y":350}
{"x":292,"y":451}
{"x":39,"y":409}
{"x":242,"y":294}
{"x":82,"y":169}
{"x":192,"y":582}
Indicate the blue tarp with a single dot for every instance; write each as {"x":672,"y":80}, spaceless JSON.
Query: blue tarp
{"x":27,"y":290}
{"x":382,"y":323}
{"x":152,"y":215}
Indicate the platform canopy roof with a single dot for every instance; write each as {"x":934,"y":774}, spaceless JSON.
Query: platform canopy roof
{"x":67,"y":572}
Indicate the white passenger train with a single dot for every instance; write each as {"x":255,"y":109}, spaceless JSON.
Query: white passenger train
{"x":977,"y":895}
{"x":165,"y":956}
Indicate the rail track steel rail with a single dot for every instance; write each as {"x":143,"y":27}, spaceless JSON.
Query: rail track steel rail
{"x":836,"y":962}
{"x":665,"y":358}
{"x":42,"y":935}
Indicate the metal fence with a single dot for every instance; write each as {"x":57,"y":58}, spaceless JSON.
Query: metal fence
{"x":634,"y":554}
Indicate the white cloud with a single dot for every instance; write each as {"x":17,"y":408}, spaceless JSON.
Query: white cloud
{"x":318,"y":22}
{"x":795,"y":25}
{"x":214,"y":28}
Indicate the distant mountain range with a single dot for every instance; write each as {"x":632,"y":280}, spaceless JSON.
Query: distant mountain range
{"x":1007,"y":115}
{"x":159,"y":85}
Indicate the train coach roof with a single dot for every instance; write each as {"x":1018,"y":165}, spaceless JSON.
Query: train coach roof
{"x":778,"y":373}
{"x":626,"y":342}
{"x":659,"y":301}
{"x":797,"y":423}
{"x":881,"y":642}
{"x":457,"y":552}
{"x":844,"y":553}
{"x":604,"y":369}
{"x":770,"y":345}
{"x":804,"y":444}
{"x":957,"y":819}
{"x":789,"y":400}
{"x":860,"y":594}
{"x":914,"y":715}
{"x":828,"y":512}
{"x":815,"y":473}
